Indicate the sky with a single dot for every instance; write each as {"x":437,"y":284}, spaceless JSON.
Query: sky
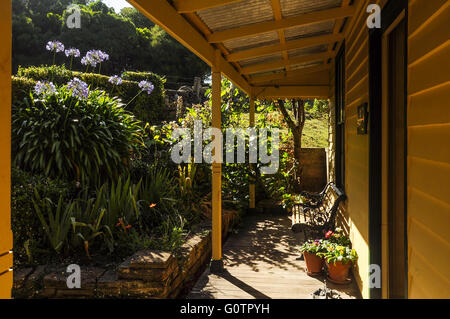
{"x":117,"y":4}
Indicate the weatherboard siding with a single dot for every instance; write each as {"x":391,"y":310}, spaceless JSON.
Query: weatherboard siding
{"x":428,"y":149}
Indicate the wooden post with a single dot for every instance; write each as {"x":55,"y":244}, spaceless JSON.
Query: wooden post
{"x":6,"y":243}
{"x":251,"y":181}
{"x":216,"y":196}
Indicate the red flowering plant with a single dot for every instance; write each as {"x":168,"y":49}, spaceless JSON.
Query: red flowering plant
{"x":338,"y":237}
{"x":121,"y":224}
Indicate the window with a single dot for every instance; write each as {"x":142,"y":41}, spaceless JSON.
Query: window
{"x":340,"y":119}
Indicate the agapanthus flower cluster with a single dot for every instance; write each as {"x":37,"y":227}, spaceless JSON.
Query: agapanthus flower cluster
{"x":116,"y":80}
{"x":55,"y":46}
{"x":78,"y":88}
{"x":88,"y":61}
{"x":44,"y":88}
{"x":146,"y":86}
{"x":94,"y":57}
{"x":72,"y":52}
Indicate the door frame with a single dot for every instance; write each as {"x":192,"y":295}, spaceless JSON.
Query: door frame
{"x":377,"y":237}
{"x":385,"y":156}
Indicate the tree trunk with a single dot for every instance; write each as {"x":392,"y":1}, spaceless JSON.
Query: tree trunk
{"x":296,"y":126}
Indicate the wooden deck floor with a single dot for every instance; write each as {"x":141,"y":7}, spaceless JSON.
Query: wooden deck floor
{"x":261,"y":262}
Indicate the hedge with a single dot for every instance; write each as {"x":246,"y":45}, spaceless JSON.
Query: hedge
{"x":147,"y":108}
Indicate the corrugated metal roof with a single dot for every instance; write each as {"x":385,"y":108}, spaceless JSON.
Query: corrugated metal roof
{"x":307,"y":51}
{"x":279,"y":71}
{"x":262,"y":59}
{"x":305,"y":65}
{"x":252,"y":42}
{"x":309,"y":30}
{"x":296,"y":7}
{"x":237,"y":14}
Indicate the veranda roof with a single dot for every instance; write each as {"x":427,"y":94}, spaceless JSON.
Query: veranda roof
{"x":269,"y":48}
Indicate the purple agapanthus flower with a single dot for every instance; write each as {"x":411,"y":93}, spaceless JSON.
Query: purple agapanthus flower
{"x":97,"y":56}
{"x":78,"y":88}
{"x":72,"y":52}
{"x":55,"y":46}
{"x":116,"y":80}
{"x":88,"y":61}
{"x":146,"y":86}
{"x":44,"y":88}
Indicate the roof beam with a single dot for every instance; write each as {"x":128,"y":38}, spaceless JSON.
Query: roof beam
{"x":276,"y":8}
{"x":275,"y":25}
{"x":291,"y":45}
{"x":185,"y":6}
{"x":286,"y":63}
{"x":163,"y":14}
{"x":337,"y":26}
{"x":290,"y":74}
{"x":286,"y":92}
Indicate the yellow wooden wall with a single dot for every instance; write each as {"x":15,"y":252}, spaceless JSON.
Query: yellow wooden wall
{"x":5,"y":147}
{"x":357,"y":146}
{"x":354,"y":215}
{"x":429,"y":149}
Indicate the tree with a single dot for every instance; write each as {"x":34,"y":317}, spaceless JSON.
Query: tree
{"x":133,"y":42}
{"x":296,"y":126}
{"x":139,"y":20}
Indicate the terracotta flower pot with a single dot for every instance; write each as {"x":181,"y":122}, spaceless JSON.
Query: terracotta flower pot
{"x":314,"y":264}
{"x":338,"y":272}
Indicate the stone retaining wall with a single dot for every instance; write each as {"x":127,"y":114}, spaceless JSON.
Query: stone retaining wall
{"x":146,"y":274}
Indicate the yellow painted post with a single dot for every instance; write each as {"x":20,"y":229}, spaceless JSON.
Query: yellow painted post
{"x":6,"y":260}
{"x":252,"y":124}
{"x":216,"y":196}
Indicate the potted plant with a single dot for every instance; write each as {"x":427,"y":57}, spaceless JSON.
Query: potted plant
{"x":338,"y":260}
{"x":314,"y":262}
{"x":338,"y":237}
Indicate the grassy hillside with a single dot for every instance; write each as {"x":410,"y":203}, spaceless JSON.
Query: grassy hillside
{"x":315,"y":133}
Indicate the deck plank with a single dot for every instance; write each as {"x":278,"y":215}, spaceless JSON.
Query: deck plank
{"x":261,"y":262}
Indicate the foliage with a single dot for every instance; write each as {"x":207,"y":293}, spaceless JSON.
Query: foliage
{"x":56,"y":221}
{"x":115,"y":218}
{"x":35,"y":22}
{"x":21,"y":88}
{"x":26,"y":227}
{"x":335,"y":252}
{"x":157,"y":198}
{"x":121,"y":203}
{"x":190,"y":198}
{"x":75,"y":139}
{"x":314,"y":246}
{"x":317,"y":108}
{"x":338,"y":237}
{"x":87,"y":222}
{"x":146,"y":107}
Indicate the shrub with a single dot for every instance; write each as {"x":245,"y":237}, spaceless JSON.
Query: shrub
{"x":146,"y":107}
{"x":87,"y":140}
{"x":26,"y":227}
{"x":153,"y":103}
{"x":21,"y":88}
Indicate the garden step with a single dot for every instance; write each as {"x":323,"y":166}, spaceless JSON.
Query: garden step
{"x":150,"y":259}
{"x":109,"y":285}
{"x":148,"y":266}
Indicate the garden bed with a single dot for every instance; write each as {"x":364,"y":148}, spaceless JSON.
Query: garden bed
{"x":152,"y":274}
